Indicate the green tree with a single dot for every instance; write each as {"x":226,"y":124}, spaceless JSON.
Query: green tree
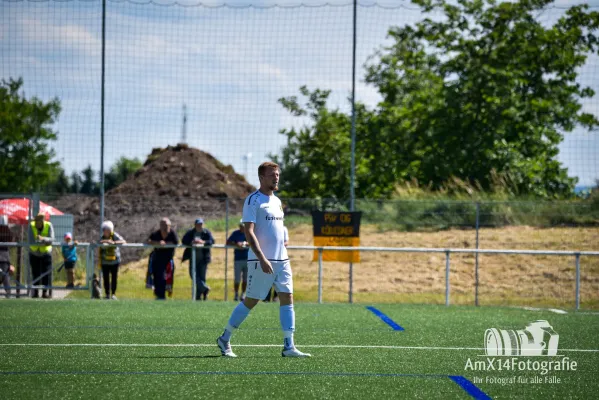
{"x":60,"y":183}
{"x":89,"y":185}
{"x":484,"y":94}
{"x":487,"y":91}
{"x":316,"y":160}
{"x":122,"y":169}
{"x":76,"y":183}
{"x":26,"y":160}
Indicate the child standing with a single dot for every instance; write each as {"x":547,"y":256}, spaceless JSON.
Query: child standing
{"x":69,"y":254}
{"x":110,"y":257}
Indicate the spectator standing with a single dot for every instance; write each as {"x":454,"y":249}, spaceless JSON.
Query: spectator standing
{"x":69,"y":255}
{"x":162,"y":258}
{"x":110,"y":258}
{"x":41,"y":235}
{"x":199,"y":236}
{"x":239,"y":240}
{"x":6,"y":269}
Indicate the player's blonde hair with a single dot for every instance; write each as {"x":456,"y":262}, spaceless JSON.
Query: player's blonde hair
{"x":267,"y":164}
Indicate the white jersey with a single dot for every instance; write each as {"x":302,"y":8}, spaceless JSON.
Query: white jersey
{"x":266,"y":212}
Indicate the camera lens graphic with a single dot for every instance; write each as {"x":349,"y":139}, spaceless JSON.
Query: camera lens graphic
{"x":536,"y":339}
{"x":502,"y":342}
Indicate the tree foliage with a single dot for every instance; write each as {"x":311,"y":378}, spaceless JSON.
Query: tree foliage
{"x":122,"y":169}
{"x":316,"y":159}
{"x":484,"y":94}
{"x":89,"y":184}
{"x":26,"y":159}
{"x":87,"y":181}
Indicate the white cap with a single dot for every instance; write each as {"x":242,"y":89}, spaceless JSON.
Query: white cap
{"x":108,"y":225}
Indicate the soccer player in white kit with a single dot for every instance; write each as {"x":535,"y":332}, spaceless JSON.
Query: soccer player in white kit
{"x":268,"y":262}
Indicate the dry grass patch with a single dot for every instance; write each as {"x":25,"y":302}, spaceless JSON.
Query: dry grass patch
{"x":420,"y":277}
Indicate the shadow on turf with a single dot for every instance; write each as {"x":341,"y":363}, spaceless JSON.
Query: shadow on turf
{"x":208,"y":356}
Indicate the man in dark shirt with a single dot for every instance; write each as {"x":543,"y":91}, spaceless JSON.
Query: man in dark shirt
{"x":239,"y":240}
{"x":162,"y":257}
{"x":199,"y":236}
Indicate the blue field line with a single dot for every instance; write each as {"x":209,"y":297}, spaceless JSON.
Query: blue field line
{"x":385,"y":318}
{"x":469,"y":387}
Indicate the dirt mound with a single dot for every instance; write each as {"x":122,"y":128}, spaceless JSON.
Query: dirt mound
{"x":178,"y":182}
{"x":181,"y":171}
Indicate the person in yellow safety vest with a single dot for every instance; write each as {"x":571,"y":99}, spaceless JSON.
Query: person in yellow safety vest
{"x":40,"y":254}
{"x":110,"y":258}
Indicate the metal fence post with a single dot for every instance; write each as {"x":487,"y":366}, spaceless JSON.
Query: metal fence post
{"x":446,"y":277}
{"x":102,"y":111}
{"x":35,"y":198}
{"x":193,"y":273}
{"x":226,"y":249}
{"x":88,"y":275}
{"x":351,"y":282}
{"x":476,"y":255}
{"x":92,"y":260}
{"x":320,"y":276}
{"x":577,"y":281}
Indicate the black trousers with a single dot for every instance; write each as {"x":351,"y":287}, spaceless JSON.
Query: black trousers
{"x":41,"y":265}
{"x":158,"y":271}
{"x":108,"y":272}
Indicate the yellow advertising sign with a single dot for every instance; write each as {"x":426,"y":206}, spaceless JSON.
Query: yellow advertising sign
{"x":336,"y":255}
{"x":340,"y":229}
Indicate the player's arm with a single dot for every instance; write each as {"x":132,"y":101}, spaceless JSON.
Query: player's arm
{"x":255,"y":246}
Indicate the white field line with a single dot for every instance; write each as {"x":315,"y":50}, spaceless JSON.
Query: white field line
{"x":325,"y":346}
{"x":555,"y":310}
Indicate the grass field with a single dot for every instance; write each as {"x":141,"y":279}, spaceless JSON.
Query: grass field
{"x":141,"y":349}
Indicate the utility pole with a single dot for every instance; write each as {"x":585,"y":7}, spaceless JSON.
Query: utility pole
{"x":184,"y":126}
{"x":246,"y":158}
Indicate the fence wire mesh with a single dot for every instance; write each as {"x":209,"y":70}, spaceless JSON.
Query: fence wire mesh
{"x":210,"y":75}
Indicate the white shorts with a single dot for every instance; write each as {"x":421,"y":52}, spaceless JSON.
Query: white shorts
{"x":259,"y":282}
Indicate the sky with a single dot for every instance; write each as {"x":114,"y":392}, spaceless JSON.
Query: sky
{"x":227,"y":64}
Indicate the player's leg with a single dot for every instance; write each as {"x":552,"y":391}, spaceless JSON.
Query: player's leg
{"x":258,"y":284}
{"x":237,"y":278}
{"x":284,"y":286}
{"x":244,"y":281}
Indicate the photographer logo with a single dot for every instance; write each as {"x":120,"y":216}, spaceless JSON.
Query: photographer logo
{"x":536,"y":339}
{"x":506,"y":348}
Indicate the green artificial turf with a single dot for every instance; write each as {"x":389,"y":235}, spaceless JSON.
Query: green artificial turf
{"x":198,"y":371}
